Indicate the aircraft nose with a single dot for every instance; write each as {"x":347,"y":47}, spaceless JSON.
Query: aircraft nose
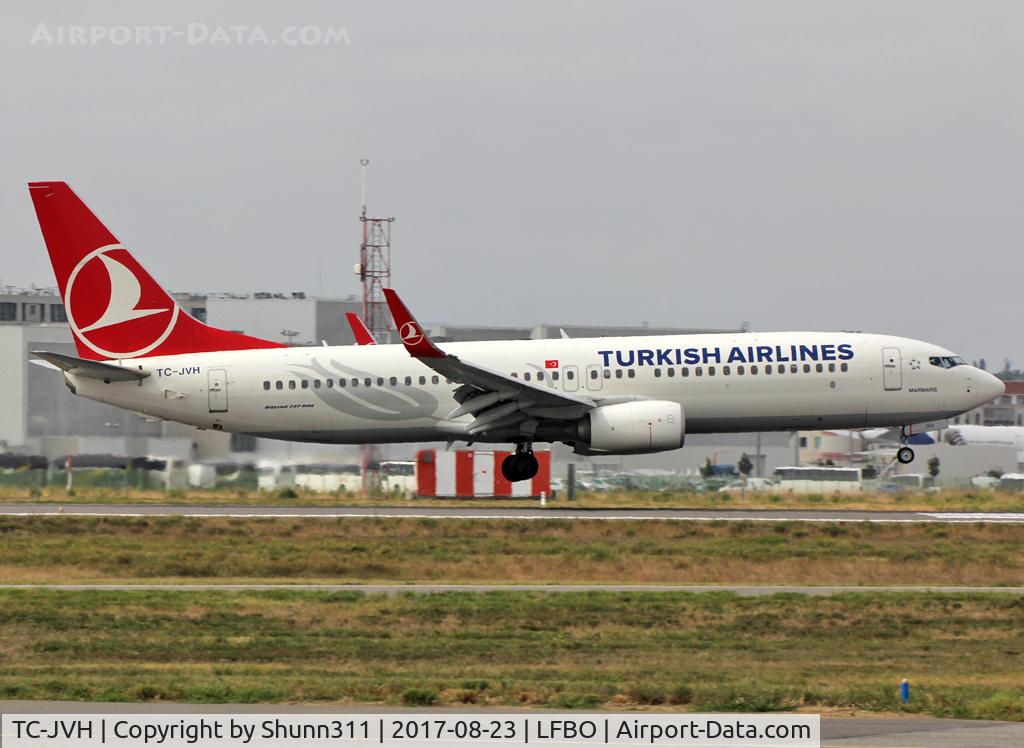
{"x":988,"y":387}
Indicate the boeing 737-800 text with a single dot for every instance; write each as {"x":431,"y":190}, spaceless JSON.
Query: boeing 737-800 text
{"x":138,"y":350}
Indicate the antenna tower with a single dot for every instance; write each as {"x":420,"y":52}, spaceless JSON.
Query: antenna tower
{"x":374,"y":268}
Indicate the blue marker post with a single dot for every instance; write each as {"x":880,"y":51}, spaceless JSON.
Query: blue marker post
{"x":904,"y":690}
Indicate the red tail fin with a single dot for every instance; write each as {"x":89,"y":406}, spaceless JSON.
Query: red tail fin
{"x":114,"y":307}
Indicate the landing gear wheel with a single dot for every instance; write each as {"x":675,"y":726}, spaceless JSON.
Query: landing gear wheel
{"x":522,"y":465}
{"x":905,"y":455}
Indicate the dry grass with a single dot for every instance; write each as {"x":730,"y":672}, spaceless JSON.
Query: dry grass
{"x":964,"y":653}
{"x":80,"y":549}
{"x":947,"y":500}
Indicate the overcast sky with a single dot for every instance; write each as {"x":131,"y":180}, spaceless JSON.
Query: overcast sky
{"x":813,"y":165}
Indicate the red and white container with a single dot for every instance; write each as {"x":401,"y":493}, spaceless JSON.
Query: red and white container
{"x":469,"y":474}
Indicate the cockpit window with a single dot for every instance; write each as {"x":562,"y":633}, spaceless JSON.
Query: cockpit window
{"x":946,"y":362}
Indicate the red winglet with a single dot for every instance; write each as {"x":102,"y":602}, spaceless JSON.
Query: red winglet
{"x":409,"y":330}
{"x":363,"y":335}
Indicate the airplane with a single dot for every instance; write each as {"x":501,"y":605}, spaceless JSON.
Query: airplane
{"x":601,"y":396}
{"x":977,"y":435}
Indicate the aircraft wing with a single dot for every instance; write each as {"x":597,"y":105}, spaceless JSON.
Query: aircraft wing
{"x":495,"y":399}
{"x":359,"y":330}
{"x":92,"y":369}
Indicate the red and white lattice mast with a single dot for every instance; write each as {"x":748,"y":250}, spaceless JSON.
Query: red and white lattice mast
{"x":374,"y":271}
{"x":374,"y":268}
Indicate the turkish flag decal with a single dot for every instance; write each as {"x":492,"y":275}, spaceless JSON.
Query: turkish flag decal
{"x":551,"y":363}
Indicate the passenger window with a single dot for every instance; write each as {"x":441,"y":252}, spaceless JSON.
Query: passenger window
{"x":540,"y":376}
{"x":291,"y":384}
{"x":435,"y":380}
{"x":726,"y":370}
{"x":526,"y":376}
{"x":831,"y":367}
{"x":807,"y":368}
{"x":768,"y":369}
{"x":657,"y":373}
{"x":423,"y":380}
{"x":739,"y":370}
{"x":781,"y":368}
{"x":355,"y":382}
{"x":554,"y":376}
{"x":569,"y":375}
{"x":380,"y":381}
{"x":819,"y":368}
{"x":316,"y":384}
{"x":711,"y":371}
{"x":408,"y":380}
{"x":670,"y":371}
{"x":793,"y":368}
{"x":607,"y":373}
{"x":618,"y":373}
{"x":393,"y":381}
{"x":753,"y":370}
{"x":266,"y":384}
{"x":698,"y":371}
{"x":279,"y":384}
{"x":685,"y":371}
{"x":593,"y":373}
{"x":631,"y":373}
{"x":515,"y":374}
{"x":367,"y":382}
{"x":844,"y":366}
{"x":305,"y":384}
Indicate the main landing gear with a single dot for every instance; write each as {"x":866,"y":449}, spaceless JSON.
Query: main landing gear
{"x":521,"y":465}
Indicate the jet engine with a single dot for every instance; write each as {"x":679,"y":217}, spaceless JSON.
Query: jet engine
{"x":635,"y":427}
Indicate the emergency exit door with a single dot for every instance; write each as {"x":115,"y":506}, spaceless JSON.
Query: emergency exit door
{"x":892,"y":369}
{"x":217,"y":387}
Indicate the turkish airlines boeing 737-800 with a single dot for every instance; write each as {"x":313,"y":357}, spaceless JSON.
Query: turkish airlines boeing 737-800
{"x":138,"y":350}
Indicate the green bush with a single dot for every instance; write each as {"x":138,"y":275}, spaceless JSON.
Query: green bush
{"x":419,"y":696}
{"x":681,"y":694}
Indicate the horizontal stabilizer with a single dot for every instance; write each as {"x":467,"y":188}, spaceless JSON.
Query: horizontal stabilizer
{"x":93,"y":369}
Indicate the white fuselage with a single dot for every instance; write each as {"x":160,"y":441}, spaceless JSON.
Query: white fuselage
{"x":724,"y":383}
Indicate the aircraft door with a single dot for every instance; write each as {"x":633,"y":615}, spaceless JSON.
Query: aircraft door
{"x":217,"y":388}
{"x":892,"y":369}
{"x":570,"y":378}
{"x":594,"y":377}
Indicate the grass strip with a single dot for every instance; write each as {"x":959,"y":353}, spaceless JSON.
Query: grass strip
{"x":964,"y":654}
{"x":56,"y":549}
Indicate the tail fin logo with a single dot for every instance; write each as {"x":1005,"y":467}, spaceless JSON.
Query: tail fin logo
{"x":138,"y":326}
{"x":411,"y":333}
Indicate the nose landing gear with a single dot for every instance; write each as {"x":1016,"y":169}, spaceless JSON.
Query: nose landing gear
{"x":521,"y":465}
{"x":904,"y":455}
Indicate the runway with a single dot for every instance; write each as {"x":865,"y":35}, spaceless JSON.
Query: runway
{"x":396,"y":589}
{"x":416,"y":512}
{"x":837,"y":732}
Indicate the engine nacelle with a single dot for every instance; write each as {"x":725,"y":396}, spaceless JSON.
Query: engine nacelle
{"x":636,"y":427}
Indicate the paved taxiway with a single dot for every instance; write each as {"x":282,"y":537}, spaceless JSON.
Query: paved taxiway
{"x":422,"y":512}
{"x":837,"y":732}
{"x":395,"y":589}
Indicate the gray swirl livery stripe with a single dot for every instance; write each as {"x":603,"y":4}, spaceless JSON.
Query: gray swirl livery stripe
{"x":372,"y":403}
